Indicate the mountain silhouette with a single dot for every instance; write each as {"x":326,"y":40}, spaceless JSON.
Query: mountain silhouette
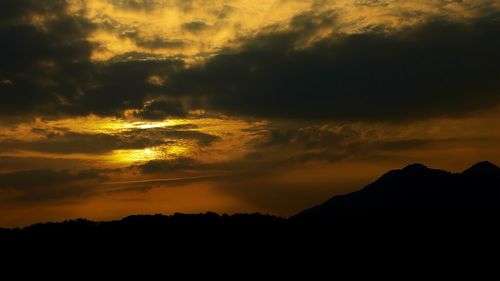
{"x":415,"y":222}
{"x":417,"y":188}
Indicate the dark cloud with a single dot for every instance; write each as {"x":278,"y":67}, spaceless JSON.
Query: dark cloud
{"x":136,"y":4}
{"x":195,"y":27}
{"x":151,"y":5}
{"x":156,"y":166}
{"x":31,"y":186}
{"x":309,"y":137}
{"x":123,"y":85}
{"x":135,"y":57}
{"x":295,"y":146}
{"x":71,"y":142}
{"x":17,"y":11}
{"x":439,"y":68}
{"x":47,"y":69}
{"x":225,"y":11}
{"x":80,"y":143}
{"x":160,"y":43}
{"x":371,"y":3}
{"x":416,"y":143}
{"x":175,"y":133}
{"x":161,"y":109}
{"x":12,"y":163}
{"x":152,"y":42}
{"x":44,"y":63}
{"x":203,"y":139}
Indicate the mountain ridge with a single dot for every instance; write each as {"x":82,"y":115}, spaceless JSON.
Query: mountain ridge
{"x":417,"y":186}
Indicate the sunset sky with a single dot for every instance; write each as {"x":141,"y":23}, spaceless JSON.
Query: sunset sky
{"x":116,"y":107}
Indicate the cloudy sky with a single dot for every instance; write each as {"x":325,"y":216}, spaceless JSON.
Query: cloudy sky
{"x":118,"y":107}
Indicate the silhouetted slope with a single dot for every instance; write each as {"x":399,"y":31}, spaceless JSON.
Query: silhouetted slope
{"x":417,"y":188}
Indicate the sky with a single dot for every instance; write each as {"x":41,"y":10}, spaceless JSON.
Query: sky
{"x":116,"y":107}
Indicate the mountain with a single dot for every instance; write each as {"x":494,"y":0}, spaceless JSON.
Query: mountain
{"x":417,"y":189}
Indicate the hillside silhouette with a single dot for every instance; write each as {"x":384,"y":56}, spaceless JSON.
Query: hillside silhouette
{"x":418,"y":190}
{"x":415,"y":222}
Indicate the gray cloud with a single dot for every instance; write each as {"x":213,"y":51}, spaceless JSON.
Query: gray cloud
{"x":47,"y":69}
{"x":121,"y":85}
{"x":151,"y":5}
{"x":13,"y":163}
{"x":174,"y":133}
{"x":71,"y":142}
{"x":416,"y":143}
{"x":31,"y":186}
{"x":160,"y":43}
{"x":135,"y":4}
{"x":309,"y":137}
{"x":195,"y":27}
{"x":161,"y":109}
{"x":438,"y":68}
{"x":41,"y":67}
{"x":176,"y":164}
{"x":80,"y":143}
{"x":155,"y":42}
{"x":372,"y":3}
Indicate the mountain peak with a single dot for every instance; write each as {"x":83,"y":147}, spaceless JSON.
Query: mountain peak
{"x":484,"y":166}
{"x":415,"y":167}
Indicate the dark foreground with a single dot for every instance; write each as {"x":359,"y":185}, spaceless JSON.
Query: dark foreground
{"x":405,"y":225}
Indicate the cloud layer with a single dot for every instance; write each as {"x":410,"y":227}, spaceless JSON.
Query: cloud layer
{"x":439,"y":68}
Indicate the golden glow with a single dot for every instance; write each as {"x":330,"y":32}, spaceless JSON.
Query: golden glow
{"x":220,"y":23}
{"x":94,"y":124}
{"x":137,"y":156}
{"x":223,"y":22}
{"x":232,"y":143}
{"x":128,"y":156}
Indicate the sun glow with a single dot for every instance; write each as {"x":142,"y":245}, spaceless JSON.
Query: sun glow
{"x":148,"y":152}
{"x":138,"y":156}
{"x":128,"y":156}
